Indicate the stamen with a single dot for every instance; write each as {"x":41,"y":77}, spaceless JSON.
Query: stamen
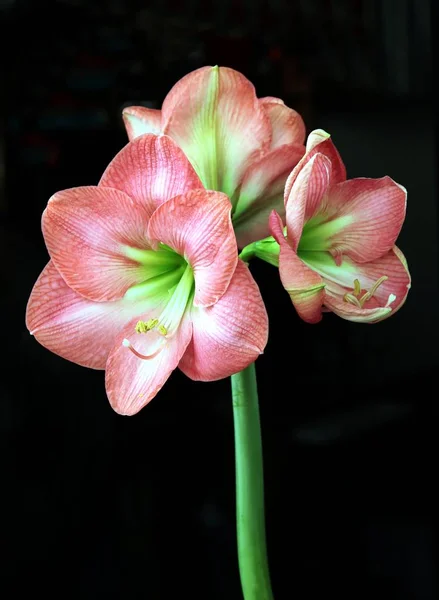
{"x":377,"y":285}
{"x":142,"y":327}
{"x":352,"y":298}
{"x":128,"y":345}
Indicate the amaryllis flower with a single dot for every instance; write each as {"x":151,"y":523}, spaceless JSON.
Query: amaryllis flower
{"x":238,"y":144}
{"x":144,"y":277}
{"x":339,"y":251}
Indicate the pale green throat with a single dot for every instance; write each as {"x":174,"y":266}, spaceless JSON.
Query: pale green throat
{"x":170,"y":279}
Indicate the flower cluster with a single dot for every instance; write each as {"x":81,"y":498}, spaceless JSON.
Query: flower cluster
{"x":144,"y":274}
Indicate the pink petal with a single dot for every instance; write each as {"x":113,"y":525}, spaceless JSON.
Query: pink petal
{"x":229,"y":335}
{"x":306,"y":195}
{"x":132,"y":382}
{"x":71,"y":326}
{"x":287,"y":125}
{"x":139,"y":120}
{"x":198,"y":226}
{"x":86,"y":231}
{"x":374,"y":211}
{"x":151,"y":170}
{"x":262,"y":191}
{"x":319,"y":142}
{"x":305,"y":287}
{"x":215,"y":117}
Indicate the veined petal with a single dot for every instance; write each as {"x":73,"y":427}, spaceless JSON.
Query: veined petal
{"x":198,"y":226}
{"x":73,"y":327}
{"x":139,"y":120}
{"x":151,"y":169}
{"x":319,"y":142}
{"x":255,"y":226}
{"x":371,"y":213}
{"x":131,"y":382}
{"x":262,"y":191}
{"x":287,"y":125}
{"x":266,"y":178}
{"x":229,"y":335}
{"x":305,"y":287}
{"x":89,"y":232}
{"x":306,"y":195}
{"x":215,"y":117}
{"x":316,"y":137}
{"x":386,"y":281}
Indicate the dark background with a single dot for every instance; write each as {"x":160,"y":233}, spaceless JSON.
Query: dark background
{"x":102,"y":506}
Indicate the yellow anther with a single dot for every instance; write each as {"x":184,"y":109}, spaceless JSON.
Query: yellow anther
{"x":142,"y":327}
{"x":151,"y":323}
{"x":162,"y":329}
{"x":357,"y":287}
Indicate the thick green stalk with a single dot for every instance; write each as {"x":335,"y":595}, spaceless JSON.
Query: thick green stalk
{"x":252,"y":552}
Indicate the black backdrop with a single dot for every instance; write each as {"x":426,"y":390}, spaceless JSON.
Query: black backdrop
{"x":102,"y":506}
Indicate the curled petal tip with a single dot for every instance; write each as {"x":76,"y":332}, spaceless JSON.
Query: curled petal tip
{"x":316,"y":137}
{"x":321,"y":132}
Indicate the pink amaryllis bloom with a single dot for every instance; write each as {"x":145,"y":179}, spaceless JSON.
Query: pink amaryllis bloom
{"x":144,"y":277}
{"x":339,"y":250}
{"x":238,"y":144}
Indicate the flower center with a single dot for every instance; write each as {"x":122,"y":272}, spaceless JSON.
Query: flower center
{"x":154,"y":262}
{"x":317,"y":233}
{"x":167,"y":324}
{"x":355,"y":297}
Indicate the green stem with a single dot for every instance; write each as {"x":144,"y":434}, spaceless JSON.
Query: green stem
{"x":252,"y":552}
{"x":267,"y":249}
{"x":247,"y":253}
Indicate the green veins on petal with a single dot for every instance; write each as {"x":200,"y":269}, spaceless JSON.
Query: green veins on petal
{"x":181,"y":297}
{"x":159,"y":286}
{"x":317,"y":235}
{"x":163,"y":257}
{"x":324,"y":264}
{"x":159,"y":271}
{"x":152,"y":265}
{"x":204,"y":144}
